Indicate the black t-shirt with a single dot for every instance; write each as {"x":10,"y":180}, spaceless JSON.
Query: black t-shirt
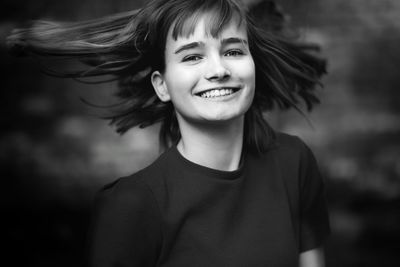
{"x":178,"y":213}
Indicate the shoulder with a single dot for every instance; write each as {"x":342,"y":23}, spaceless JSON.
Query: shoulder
{"x":125,"y":193}
{"x":291,"y":147}
{"x":295,"y":159}
{"x":288,"y":141}
{"x":125,"y":218}
{"x":137,"y":186}
{"x":288,"y":150}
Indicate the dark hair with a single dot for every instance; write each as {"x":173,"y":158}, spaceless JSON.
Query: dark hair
{"x":130,"y":46}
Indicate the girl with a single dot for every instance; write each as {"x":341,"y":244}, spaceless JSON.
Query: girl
{"x":228,"y":190}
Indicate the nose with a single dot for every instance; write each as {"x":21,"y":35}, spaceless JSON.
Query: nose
{"x":217,"y":70}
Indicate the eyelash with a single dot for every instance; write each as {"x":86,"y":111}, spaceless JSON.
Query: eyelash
{"x":235,"y":51}
{"x":191,"y":58}
{"x":230,"y":53}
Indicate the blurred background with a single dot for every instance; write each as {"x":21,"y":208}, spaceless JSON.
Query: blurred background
{"x":55,"y":152}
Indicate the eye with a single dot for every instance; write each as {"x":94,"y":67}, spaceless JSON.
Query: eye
{"x":192,"y":58}
{"x":234,"y":53}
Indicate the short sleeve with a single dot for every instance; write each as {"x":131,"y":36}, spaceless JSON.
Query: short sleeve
{"x":314,"y":221}
{"x":125,"y":228}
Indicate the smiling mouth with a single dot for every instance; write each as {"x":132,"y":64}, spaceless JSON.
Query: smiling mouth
{"x":218,"y":92}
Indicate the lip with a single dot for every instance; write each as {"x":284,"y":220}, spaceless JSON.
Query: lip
{"x":234,"y":88}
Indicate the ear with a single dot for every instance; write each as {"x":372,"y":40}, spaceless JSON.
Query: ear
{"x":159,"y":85}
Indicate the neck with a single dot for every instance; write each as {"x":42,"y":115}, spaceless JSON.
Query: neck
{"x":217,"y":146}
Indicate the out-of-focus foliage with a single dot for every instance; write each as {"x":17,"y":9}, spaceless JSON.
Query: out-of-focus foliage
{"x":55,"y":152}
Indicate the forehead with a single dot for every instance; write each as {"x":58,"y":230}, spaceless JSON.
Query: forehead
{"x":214,"y":19}
{"x":235,"y":27}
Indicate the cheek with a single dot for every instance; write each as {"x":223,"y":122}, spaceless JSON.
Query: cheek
{"x":248,"y":76}
{"x":251,"y":70}
{"x":246,"y":70}
{"x":179,"y":83}
{"x":181,"y":77}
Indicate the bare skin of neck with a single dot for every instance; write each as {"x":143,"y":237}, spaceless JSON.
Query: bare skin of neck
{"x":217,"y":146}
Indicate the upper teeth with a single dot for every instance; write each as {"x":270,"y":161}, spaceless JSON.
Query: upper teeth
{"x":217,"y":92}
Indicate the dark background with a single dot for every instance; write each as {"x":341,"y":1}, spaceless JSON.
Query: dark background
{"x":55,"y":153}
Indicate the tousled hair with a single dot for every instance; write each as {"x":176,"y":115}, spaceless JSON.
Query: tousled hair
{"x":129,"y":46}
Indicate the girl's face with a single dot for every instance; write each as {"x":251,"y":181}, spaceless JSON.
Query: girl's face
{"x":208,"y":79}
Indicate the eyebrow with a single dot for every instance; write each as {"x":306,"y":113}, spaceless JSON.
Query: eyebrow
{"x":188,"y":46}
{"x":231,"y":40}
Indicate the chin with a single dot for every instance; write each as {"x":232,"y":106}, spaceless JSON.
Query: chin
{"x":223,"y":118}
